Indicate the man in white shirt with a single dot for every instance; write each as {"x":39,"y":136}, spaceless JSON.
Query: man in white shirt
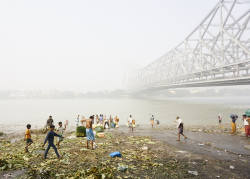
{"x":130,"y":123}
{"x":180,"y":127}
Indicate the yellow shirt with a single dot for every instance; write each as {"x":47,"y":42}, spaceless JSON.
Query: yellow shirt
{"x":27,"y":134}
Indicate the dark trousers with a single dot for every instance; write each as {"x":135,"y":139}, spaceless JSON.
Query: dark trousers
{"x":47,"y":150}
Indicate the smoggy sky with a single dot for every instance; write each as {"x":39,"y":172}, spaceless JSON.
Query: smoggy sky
{"x":88,"y":45}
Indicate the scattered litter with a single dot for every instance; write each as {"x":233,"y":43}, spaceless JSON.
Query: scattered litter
{"x":193,"y":172}
{"x":201,"y":144}
{"x":71,"y":137}
{"x":182,"y":151}
{"x":231,"y":167}
{"x":115,"y":154}
{"x":144,"y":148}
{"x":100,"y":135}
{"x":247,"y":147}
{"x":122,"y":168}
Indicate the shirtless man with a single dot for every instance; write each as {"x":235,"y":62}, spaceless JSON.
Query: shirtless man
{"x":89,"y":132}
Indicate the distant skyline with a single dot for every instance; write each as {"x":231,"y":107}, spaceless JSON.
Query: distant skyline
{"x":88,"y":45}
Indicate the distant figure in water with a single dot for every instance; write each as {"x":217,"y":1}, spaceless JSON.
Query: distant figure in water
{"x":180,"y":127}
{"x":233,"y":117}
{"x":152,"y":120}
{"x":131,"y":123}
{"x":219,"y":119}
{"x":27,"y":138}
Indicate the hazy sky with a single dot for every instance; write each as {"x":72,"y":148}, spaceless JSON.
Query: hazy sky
{"x":88,"y":44}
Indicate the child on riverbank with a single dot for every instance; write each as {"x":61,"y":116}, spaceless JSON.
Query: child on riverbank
{"x":50,"y":138}
{"x":60,"y":130}
{"x":27,"y":137}
{"x":180,"y":127}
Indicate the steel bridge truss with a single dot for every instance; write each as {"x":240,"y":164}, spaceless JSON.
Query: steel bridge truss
{"x":216,"y":50}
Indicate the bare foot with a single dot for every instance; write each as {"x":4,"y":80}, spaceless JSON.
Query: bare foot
{"x":177,"y":140}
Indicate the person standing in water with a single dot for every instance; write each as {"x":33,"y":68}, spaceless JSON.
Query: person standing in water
{"x":152,"y":120}
{"x":180,"y":127}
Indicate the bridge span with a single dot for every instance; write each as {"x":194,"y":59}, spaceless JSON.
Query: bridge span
{"x":215,"y":53}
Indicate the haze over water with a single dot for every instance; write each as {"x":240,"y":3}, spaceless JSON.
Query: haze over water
{"x":16,"y":113}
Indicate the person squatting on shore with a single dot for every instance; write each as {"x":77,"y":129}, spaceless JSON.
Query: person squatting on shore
{"x":50,"y":138}
{"x":180,"y":127}
{"x":27,"y":138}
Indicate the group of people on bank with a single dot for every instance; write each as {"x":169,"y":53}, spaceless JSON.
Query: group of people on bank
{"x":49,"y":137}
{"x":234,"y":118}
{"x":101,"y":120}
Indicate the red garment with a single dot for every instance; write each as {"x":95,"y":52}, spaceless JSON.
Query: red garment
{"x":247,"y":130}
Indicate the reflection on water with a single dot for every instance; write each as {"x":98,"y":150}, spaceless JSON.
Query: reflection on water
{"x":15,"y":114}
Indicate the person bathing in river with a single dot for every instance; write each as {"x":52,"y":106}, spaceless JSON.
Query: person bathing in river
{"x":180,"y":127}
{"x":27,"y":137}
{"x":89,"y":132}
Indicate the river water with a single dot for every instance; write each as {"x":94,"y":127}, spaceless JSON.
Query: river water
{"x":15,"y":114}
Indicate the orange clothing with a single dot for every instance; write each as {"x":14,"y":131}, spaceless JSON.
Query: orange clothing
{"x":27,"y":134}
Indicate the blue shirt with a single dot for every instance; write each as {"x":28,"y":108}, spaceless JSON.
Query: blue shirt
{"x":50,"y":137}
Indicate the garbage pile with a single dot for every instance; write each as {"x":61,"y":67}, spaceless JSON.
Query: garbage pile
{"x":136,"y":159}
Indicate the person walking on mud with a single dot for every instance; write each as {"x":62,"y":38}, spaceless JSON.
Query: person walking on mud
{"x":180,"y":127}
